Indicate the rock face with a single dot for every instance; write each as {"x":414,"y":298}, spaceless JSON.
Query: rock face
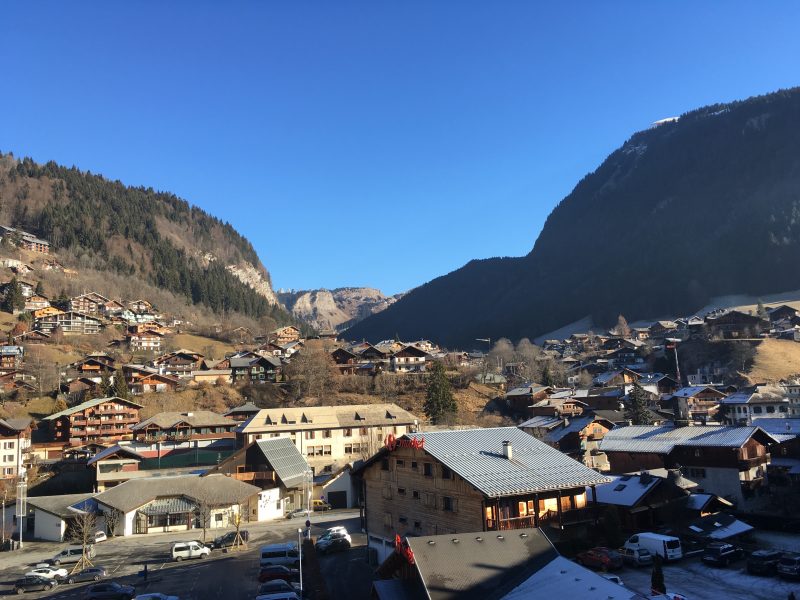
{"x":254,"y":278}
{"x":335,"y":309}
{"x":694,"y":208}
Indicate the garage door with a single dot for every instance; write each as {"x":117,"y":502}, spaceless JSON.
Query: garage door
{"x":337,"y":499}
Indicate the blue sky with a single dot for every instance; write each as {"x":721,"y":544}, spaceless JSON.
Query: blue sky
{"x":372,"y":143}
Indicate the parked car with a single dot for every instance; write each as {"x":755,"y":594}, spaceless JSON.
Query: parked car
{"x":320,"y":505}
{"x":338,"y":529}
{"x":789,"y":565}
{"x":614,"y":579}
{"x":332,"y":542}
{"x":271,"y":572}
{"x":278,"y":585}
{"x":226,"y":541}
{"x":763,"y":562}
{"x":90,"y":574}
{"x":155,"y":596}
{"x":72,"y":554}
{"x":297,"y":512}
{"x":600,"y":558}
{"x":181,"y":550}
{"x":110,"y":591}
{"x":33,"y":583}
{"x":100,"y":536}
{"x":280,"y":554}
{"x":636,"y":557}
{"x":721,"y":554}
{"x":47,"y":572}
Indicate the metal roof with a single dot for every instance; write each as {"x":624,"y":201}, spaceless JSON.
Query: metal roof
{"x":194,"y":418}
{"x":59,"y":505}
{"x":662,"y":440}
{"x":285,"y":459}
{"x":477,"y":456}
{"x":541,"y":421}
{"x":626,"y":490}
{"x":88,"y":404}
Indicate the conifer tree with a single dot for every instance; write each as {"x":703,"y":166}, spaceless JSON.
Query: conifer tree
{"x":120,"y":388}
{"x":637,"y":410}
{"x":439,"y":400}
{"x":13,"y":300}
{"x":39,"y":288}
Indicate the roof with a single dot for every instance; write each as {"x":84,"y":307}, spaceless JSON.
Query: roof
{"x":247,"y":407}
{"x":285,"y":459}
{"x":541,"y":421}
{"x":16,"y":424}
{"x":572,"y":425}
{"x":88,"y":404}
{"x":791,"y":464}
{"x":58,"y":505}
{"x":450,"y":568}
{"x":321,"y":417}
{"x":692,"y":391}
{"x":219,"y":489}
{"x":768,"y":394}
{"x":197,"y":418}
{"x":477,"y":456}
{"x":719,"y":526}
{"x":527,"y":390}
{"x":110,"y":451}
{"x":781,"y":429}
{"x":663,"y":439}
{"x":626,"y":490}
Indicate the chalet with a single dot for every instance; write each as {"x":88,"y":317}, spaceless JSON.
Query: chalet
{"x":373,"y":354}
{"x":284,"y":335}
{"x":98,"y":420}
{"x":482,"y":566}
{"x":140,"y":306}
{"x":662,"y":329}
{"x":345,"y":361}
{"x":114,"y":465}
{"x":31,"y":337}
{"x":619,"y":377}
{"x":253,"y":368}
{"x":47,"y":311}
{"x":702,"y":401}
{"x":70,"y":323}
{"x":15,"y":442}
{"x":578,"y":437}
{"x":27,"y":288}
{"x":90,"y":304}
{"x":410,"y":359}
{"x":330,"y":436}
{"x":740,"y":408}
{"x":728,"y":461}
{"x":11,"y":358}
{"x":273,"y":464}
{"x":735,"y":324}
{"x":142,"y":380}
{"x":520,"y":399}
{"x":179,"y":363}
{"x":36,"y":302}
{"x":112,"y":307}
{"x":470,"y":480}
{"x":15,"y":380}
{"x":560,"y":403}
{"x":658,"y":383}
{"x":781,"y":312}
{"x":83,"y":388}
{"x":625,"y":356}
{"x":176,"y":431}
{"x":146,"y":341}
{"x":95,"y":365}
{"x":243,"y":413}
{"x":642,"y":501}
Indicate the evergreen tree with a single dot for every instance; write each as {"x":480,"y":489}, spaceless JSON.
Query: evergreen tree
{"x":39,"y":288}
{"x":637,"y":410}
{"x":439,"y":400}
{"x":105,"y":389}
{"x":761,"y":311}
{"x":13,"y":300}
{"x":547,"y":376}
{"x":657,"y":585}
{"x":120,"y":388}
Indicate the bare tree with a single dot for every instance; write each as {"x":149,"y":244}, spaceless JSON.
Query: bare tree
{"x":239,"y":514}
{"x":81,"y":533}
{"x":113,"y":519}
{"x":622,"y":329}
{"x":312,"y":373}
{"x":207,"y":502}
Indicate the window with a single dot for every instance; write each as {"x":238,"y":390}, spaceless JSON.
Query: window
{"x":387,"y":520}
{"x":362,"y":431}
{"x":783,"y":409}
{"x":427,"y":469}
{"x":429,"y":500}
{"x":697,"y":451}
{"x":757,"y":410}
{"x":218,"y":517}
{"x":446,"y":473}
{"x":401,"y":491}
{"x":327,"y":433}
{"x":399,"y":463}
{"x":415,"y":494}
{"x":348,"y":432}
{"x":309,"y":435}
{"x":326,"y":450}
{"x":448,"y":504}
{"x":387,"y":492}
{"x":770,"y":409}
{"x":385,"y":464}
{"x":403,"y":520}
{"x":413,"y":464}
{"x":417,"y":525}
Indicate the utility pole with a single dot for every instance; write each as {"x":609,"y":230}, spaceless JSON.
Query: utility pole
{"x":22,"y":505}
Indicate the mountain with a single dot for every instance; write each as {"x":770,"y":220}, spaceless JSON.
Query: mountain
{"x":140,"y":234}
{"x":700,"y":206}
{"x":335,"y":309}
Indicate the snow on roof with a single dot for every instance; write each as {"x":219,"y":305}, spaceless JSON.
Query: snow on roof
{"x":626,"y":490}
{"x":697,"y":501}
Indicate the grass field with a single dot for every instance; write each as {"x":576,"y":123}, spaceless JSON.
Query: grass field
{"x":775,"y":360}
{"x":198,"y":343}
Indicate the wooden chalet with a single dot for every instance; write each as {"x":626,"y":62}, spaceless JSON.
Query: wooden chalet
{"x":735,"y":324}
{"x":179,"y":363}
{"x":98,"y":420}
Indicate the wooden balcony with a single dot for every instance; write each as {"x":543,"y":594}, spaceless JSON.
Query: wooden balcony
{"x":251,"y":476}
{"x":550,"y":517}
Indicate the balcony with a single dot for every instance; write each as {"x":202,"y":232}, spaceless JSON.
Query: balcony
{"x":746,"y":464}
{"x":251,"y":476}
{"x":549,"y":517}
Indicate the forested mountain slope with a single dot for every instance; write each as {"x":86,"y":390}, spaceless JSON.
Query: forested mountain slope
{"x":139,"y":233}
{"x":700,"y":207}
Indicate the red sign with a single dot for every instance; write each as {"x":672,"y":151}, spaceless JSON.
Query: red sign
{"x":403,"y":549}
{"x":392,"y":443}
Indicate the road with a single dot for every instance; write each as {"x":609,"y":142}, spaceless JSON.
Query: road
{"x":232,"y":575}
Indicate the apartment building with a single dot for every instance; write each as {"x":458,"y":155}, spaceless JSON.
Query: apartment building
{"x":15,"y":440}
{"x":330,"y":436}
{"x":98,"y":420}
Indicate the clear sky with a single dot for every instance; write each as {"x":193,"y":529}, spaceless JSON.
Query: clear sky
{"x":372,"y":143}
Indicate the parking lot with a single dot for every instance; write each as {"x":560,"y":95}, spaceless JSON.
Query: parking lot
{"x":230,"y":575}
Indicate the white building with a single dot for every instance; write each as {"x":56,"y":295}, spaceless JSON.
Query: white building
{"x":15,"y":442}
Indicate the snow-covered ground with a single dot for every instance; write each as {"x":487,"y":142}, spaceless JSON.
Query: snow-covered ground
{"x":696,"y":581}
{"x":778,"y":540}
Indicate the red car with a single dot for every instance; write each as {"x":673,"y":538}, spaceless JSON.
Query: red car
{"x":272,"y":572}
{"x":600,"y":558}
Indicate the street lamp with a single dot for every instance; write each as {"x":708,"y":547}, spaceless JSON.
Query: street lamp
{"x":22,"y":505}
{"x":300,"y":549}
{"x":308,"y":475}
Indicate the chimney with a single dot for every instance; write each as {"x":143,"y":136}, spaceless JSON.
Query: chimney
{"x":507,"y":450}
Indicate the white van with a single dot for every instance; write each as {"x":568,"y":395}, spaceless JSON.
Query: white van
{"x":181,"y":550}
{"x":667,"y":546}
{"x":280,"y":554}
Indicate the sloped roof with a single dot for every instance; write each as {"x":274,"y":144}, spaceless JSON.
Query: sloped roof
{"x":196,"y":418}
{"x":16,"y":423}
{"x":88,"y":404}
{"x":321,"y":417}
{"x":663,"y":439}
{"x":58,"y":505}
{"x":110,"y":451}
{"x":626,"y":490}
{"x":527,"y":390}
{"x":477,"y":456}
{"x":285,"y":459}
{"x":692,"y":390}
{"x":540,"y":421}
{"x":219,"y":489}
{"x":247,"y":407}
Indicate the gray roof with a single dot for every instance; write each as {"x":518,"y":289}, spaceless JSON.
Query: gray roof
{"x":196,"y":418}
{"x":16,"y":424}
{"x":573,"y":425}
{"x":626,"y":490}
{"x":546,"y":421}
{"x":59,"y":505}
{"x":481,"y":565}
{"x":113,"y":450}
{"x":135,"y":493}
{"x":693,"y":390}
{"x":285,"y":459}
{"x":247,"y":407}
{"x":777,"y":427}
{"x":477,"y":456}
{"x":88,"y":404}
{"x":662,"y":440}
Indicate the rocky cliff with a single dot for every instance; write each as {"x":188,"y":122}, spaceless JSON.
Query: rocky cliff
{"x":335,"y":309}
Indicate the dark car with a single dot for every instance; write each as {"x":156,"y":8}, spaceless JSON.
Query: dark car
{"x":110,"y":591}
{"x":721,"y":554}
{"x":789,"y":565}
{"x":226,"y":541}
{"x":763,"y":562}
{"x":90,"y":574}
{"x":271,"y":572}
{"x":277,"y":586}
{"x":34,"y":583}
{"x":332,"y":542}
{"x":600,"y":558}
